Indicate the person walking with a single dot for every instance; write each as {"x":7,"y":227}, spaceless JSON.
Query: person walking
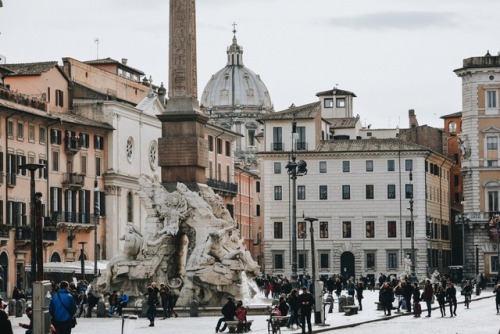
{"x":62,"y":309}
{"x":152,"y":301}
{"x":451,"y":295}
{"x":171,"y":303}
{"x":497,"y":298}
{"x":441,"y":298}
{"x":407,"y":293}
{"x":338,"y":287}
{"x":427,"y":296}
{"x":293,"y":302}
{"x":386,"y":298}
{"x":228,"y":314}
{"x":416,"y":301}
{"x":164,"y":300}
{"x":359,"y":294}
{"x":306,"y":302}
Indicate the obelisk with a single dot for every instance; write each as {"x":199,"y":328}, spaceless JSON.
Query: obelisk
{"x":183,"y":151}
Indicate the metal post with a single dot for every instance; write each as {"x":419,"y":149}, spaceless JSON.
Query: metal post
{"x":315,"y":278}
{"x":293,"y":170}
{"x":478,"y":290}
{"x":33,"y":256}
{"x":96,"y":220}
{"x":413,"y":259}
{"x":82,"y":258}
{"x":431,"y":233}
{"x":498,"y":248}
{"x":39,"y":234}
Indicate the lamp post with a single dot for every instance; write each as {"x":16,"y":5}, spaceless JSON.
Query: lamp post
{"x":34,"y":240}
{"x":295,"y":169}
{"x":317,"y":288}
{"x":82,"y":258}
{"x":96,"y":220}
{"x":430,"y":234}
{"x":478,"y":290}
{"x":412,"y":227}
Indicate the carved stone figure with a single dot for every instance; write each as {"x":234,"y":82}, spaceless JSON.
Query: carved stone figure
{"x":189,"y":243}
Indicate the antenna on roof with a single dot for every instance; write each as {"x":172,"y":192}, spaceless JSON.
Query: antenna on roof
{"x":96,"y":41}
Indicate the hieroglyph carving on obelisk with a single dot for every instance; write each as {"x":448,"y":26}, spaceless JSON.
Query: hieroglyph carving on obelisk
{"x":182,"y":55}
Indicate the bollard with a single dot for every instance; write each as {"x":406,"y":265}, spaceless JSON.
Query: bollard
{"x":12,"y":307}
{"x":193,"y":309}
{"x":342,"y":303}
{"x":101,"y":309}
{"x":19,"y":308}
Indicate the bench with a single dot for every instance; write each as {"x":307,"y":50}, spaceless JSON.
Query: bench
{"x":350,"y":310}
{"x":239,"y":327}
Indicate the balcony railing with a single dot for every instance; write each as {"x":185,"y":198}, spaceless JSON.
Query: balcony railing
{"x":71,"y":217}
{"x":301,"y":146}
{"x":277,"y":146}
{"x":4,"y":231}
{"x":73,"y":180}
{"x":222,"y":186}
{"x":73,"y":144}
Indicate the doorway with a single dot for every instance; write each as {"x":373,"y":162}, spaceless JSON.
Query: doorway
{"x":347,"y":265}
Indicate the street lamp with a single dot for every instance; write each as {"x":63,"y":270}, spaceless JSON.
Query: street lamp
{"x":478,"y":291}
{"x":34,"y":240}
{"x":96,"y":220}
{"x":430,"y":233}
{"x":295,"y":169}
{"x":412,"y":227}
{"x":82,"y":259}
{"x":317,"y":288}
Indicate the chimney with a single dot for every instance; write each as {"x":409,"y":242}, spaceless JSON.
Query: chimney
{"x":412,"y":118}
{"x":124,"y":61}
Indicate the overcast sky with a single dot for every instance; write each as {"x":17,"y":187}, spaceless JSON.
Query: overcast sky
{"x":394,"y":55}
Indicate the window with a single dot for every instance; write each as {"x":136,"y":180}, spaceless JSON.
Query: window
{"x":278,"y":193}
{"x":20,"y":130}
{"x":302,"y":257}
{"x":494,"y":264}
{"x":278,"y":230}
{"x":301,"y":192}
{"x":491,"y":163}
{"x":251,"y":138}
{"x":257,"y":186}
{"x":456,"y":180}
{"x":59,"y":98}
{"x":324,"y":261}
{"x":98,"y":142}
{"x":328,"y":103}
{"x":55,"y":161}
{"x":210,"y":143}
{"x":391,"y":229}
{"x":408,"y":229}
{"x":129,"y":149}
{"x":491,"y":143}
{"x":10,"y":128}
{"x":21,"y":160}
{"x":369,"y":165}
{"x":452,"y":127}
{"x":340,"y":102}
{"x":301,"y":230}
{"x":408,"y":165}
{"x":370,"y":229}
{"x":31,"y":133}
{"x":257,"y":210}
{"x":322,"y":166}
{"x":219,"y":146}
{"x":228,"y":148}
{"x":84,"y":140}
{"x":42,"y":172}
{"x":491,"y":99}
{"x":219,"y":172}
{"x":492,"y":201}
{"x":346,"y":229}
{"x":346,"y":192}
{"x":370,"y":260}
{"x":323,"y":230}
{"x":390,"y":166}
{"x":346,"y":166}
{"x":97,"y":166}
{"x":42,"y":134}
{"x":323,"y":192}
{"x":301,"y":141}
{"x":392,"y":260}
{"x":277,"y":139}
{"x":369,"y":191}
{"x":11,"y":169}
{"x":277,"y":168}
{"x":391,"y":191}
{"x":408,"y":191}
{"x":278,"y":260}
{"x":228,"y":173}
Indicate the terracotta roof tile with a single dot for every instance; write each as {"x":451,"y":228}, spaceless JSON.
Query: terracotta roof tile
{"x":29,"y":68}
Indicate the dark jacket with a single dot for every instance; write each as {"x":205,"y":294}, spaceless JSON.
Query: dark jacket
{"x":416,"y":294}
{"x":451,"y":294}
{"x":56,"y":308}
{"x":428,"y":292}
{"x":306,"y":302}
{"x":229,"y":310}
{"x":152,"y":298}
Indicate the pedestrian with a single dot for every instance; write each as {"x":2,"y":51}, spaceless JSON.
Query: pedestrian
{"x":351,"y":288}
{"x":451,"y":296}
{"x":407,"y":293}
{"x":171,"y":303}
{"x":398,"y":292}
{"x":62,"y":309}
{"x":293,"y":302}
{"x":416,"y":301}
{"x":338,"y":287}
{"x":92,"y":300}
{"x":497,"y":298}
{"x":152,"y":301}
{"x":82,"y":302}
{"x":427,"y":296}
{"x":112,"y":299}
{"x":283,"y":306}
{"x":386,"y":298}
{"x":228,"y":314}
{"x":330,"y":285}
{"x":5,"y":323}
{"x":241,"y":315}
{"x":164,"y":300}
{"x":28,"y":327}
{"x":306,"y":302}
{"x":122,"y":302}
{"x":441,"y":298}
{"x":359,"y":294}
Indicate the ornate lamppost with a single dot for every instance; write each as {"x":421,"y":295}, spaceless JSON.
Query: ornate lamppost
{"x":295,"y":168}
{"x":96,"y":220}
{"x":412,"y":227}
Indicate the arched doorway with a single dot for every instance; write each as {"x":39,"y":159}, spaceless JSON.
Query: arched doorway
{"x":4,"y":272}
{"x":347,"y":265}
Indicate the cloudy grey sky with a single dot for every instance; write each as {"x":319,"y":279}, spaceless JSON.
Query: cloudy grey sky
{"x":394,"y":55}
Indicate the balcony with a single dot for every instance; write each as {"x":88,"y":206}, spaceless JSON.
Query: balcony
{"x":49,"y":232}
{"x":277,"y":147}
{"x":301,"y":146}
{"x":224,"y":187}
{"x":73,"y":180}
{"x":70,"y":217}
{"x":73,"y":144}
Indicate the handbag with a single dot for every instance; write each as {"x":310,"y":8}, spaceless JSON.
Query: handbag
{"x":73,"y":319}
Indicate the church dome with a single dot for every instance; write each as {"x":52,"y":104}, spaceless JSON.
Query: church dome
{"x":235,"y":87}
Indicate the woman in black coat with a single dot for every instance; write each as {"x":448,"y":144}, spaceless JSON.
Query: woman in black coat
{"x":451,"y":295}
{"x":359,"y":294}
{"x":386,"y":298}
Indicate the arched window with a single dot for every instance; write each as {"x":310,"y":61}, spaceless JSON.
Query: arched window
{"x":452,"y":127}
{"x":130,"y":207}
{"x":4,"y":271}
{"x":55,"y":258}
